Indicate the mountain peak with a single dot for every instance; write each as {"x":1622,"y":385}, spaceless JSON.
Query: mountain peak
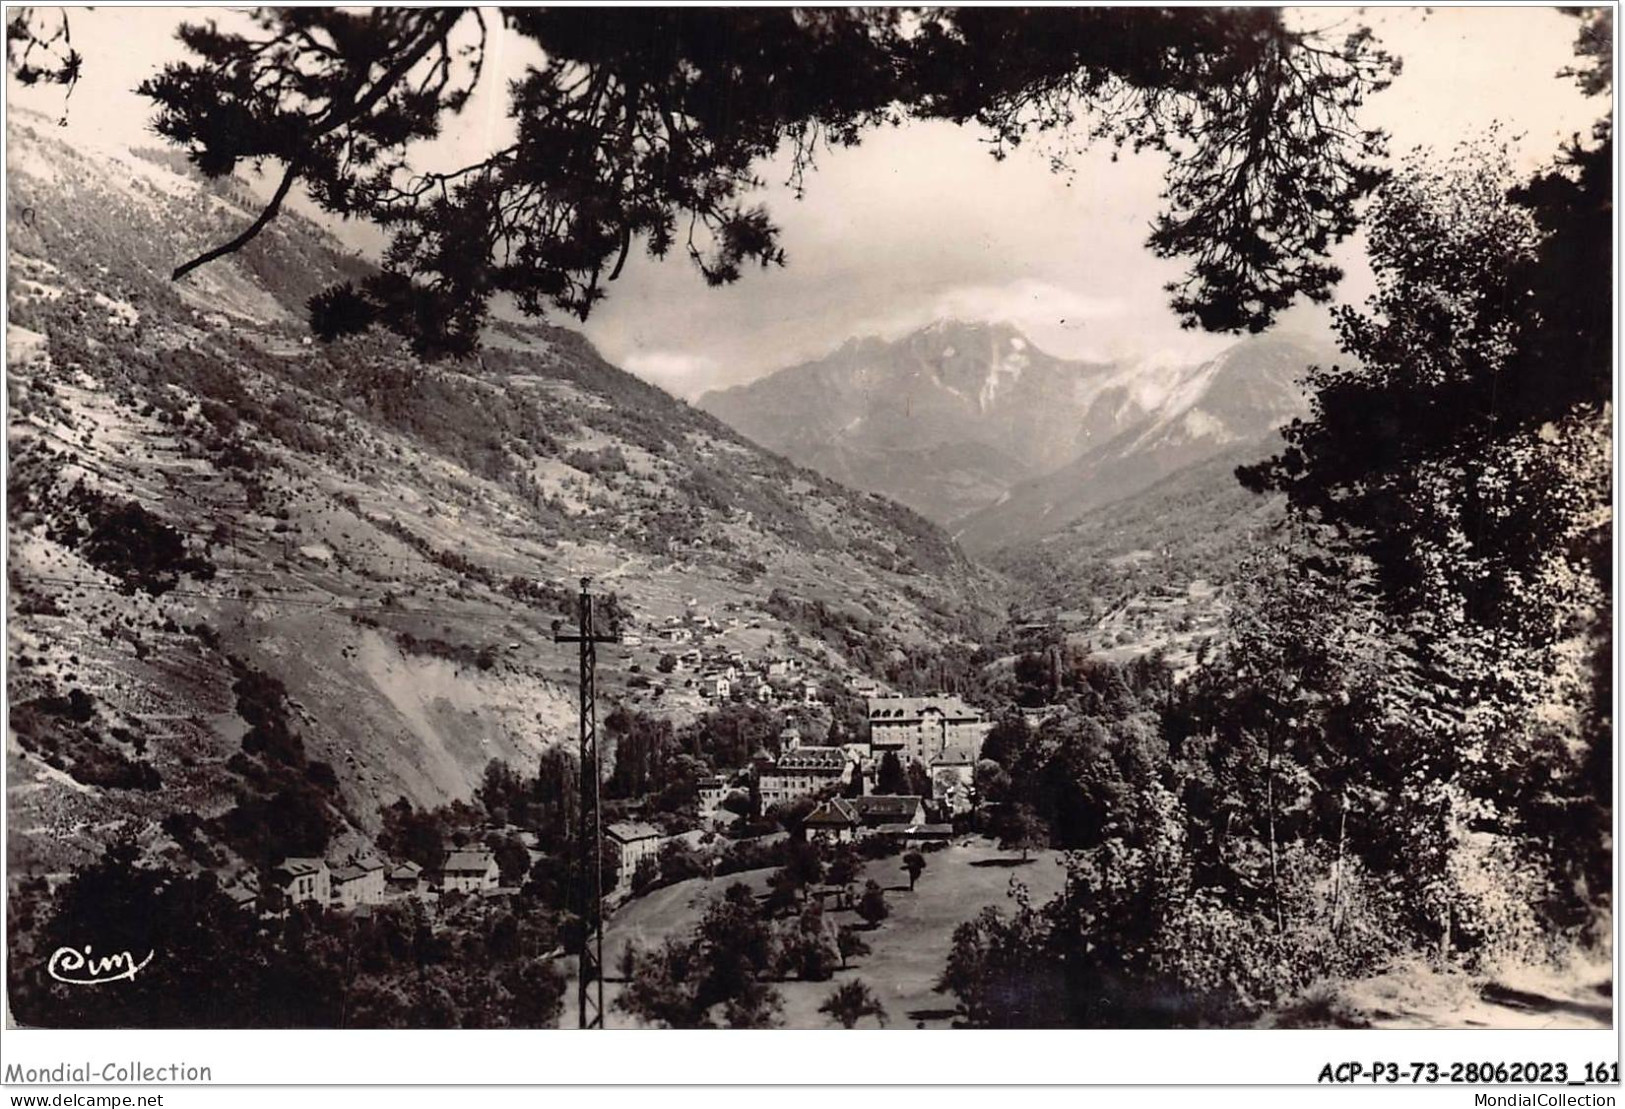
{"x":943,"y":418}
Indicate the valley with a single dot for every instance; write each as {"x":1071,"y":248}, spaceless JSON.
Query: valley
{"x":391,"y":541}
{"x":942,"y":681}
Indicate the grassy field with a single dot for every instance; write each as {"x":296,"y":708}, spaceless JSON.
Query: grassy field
{"x":909,"y":947}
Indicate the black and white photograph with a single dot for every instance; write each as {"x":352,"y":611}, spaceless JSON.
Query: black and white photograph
{"x":908,"y":518}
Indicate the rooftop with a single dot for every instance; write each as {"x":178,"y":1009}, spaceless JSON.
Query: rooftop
{"x":465,"y":861}
{"x":629,"y":831}
{"x":836,"y":812}
{"x":939,"y":831}
{"x":899,"y":709}
{"x":887,"y":807}
{"x":299,"y":867}
{"x":812,"y":758}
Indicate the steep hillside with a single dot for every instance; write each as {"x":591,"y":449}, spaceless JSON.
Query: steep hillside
{"x":1235,"y":401}
{"x":944,"y":420}
{"x":1151,"y":571}
{"x":267,"y":584}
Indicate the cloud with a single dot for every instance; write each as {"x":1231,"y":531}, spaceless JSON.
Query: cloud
{"x":1042,"y":309}
{"x":1027,"y":302}
{"x":676,"y":372}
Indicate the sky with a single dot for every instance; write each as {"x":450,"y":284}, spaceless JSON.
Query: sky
{"x":920,"y":222}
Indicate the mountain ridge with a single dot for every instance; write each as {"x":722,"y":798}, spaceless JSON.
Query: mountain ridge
{"x":880,"y":412}
{"x":1238,"y":399}
{"x":976,"y":428}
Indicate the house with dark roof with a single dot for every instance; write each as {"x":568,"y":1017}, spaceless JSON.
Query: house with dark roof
{"x":244,"y":893}
{"x":802,"y":772}
{"x":916,"y":833}
{"x":357,"y":883}
{"x":880,"y":810}
{"x":305,"y":879}
{"x":406,"y":878}
{"x":833,"y":819}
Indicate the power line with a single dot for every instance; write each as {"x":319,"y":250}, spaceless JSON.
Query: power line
{"x":590,"y":970}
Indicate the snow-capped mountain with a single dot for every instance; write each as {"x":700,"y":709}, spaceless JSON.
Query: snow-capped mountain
{"x":1241,"y":397}
{"x":944,"y":420}
{"x":975,"y":427}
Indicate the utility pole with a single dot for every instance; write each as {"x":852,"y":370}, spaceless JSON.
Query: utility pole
{"x":589,"y":832}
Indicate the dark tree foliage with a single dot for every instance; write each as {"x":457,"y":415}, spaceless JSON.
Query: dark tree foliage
{"x":216,"y":966}
{"x":850,"y":1002}
{"x":890,"y":777}
{"x":412,"y":835}
{"x":39,"y":50}
{"x":872,"y":905}
{"x":711,"y":977}
{"x":644,"y":126}
{"x":126,"y":540}
{"x":850,"y":944}
{"x":730,"y":735}
{"x":645,"y":752}
{"x":914,"y":863}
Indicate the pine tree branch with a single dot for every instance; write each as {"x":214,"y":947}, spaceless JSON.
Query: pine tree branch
{"x":288,"y":177}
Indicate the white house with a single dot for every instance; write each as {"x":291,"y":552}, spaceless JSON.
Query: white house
{"x":713,"y":790}
{"x":360,"y":883}
{"x":471,"y":871}
{"x":303,"y":879}
{"x":877,"y":811}
{"x":633,"y":842}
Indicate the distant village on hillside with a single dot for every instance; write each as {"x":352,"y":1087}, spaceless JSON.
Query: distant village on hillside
{"x":850,"y":787}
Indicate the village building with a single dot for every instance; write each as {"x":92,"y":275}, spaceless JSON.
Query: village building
{"x":473,"y":871}
{"x":406,"y":878}
{"x":953,"y":782}
{"x":302,"y":879}
{"x":355,"y":884}
{"x":919,"y":729}
{"x":859,"y":753}
{"x":917,"y":833}
{"x":835,"y":819}
{"x":244,"y":893}
{"x":633,"y":841}
{"x":718,"y":687}
{"x":712,"y":792}
{"x":878,"y":811}
{"x":802,"y":772}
